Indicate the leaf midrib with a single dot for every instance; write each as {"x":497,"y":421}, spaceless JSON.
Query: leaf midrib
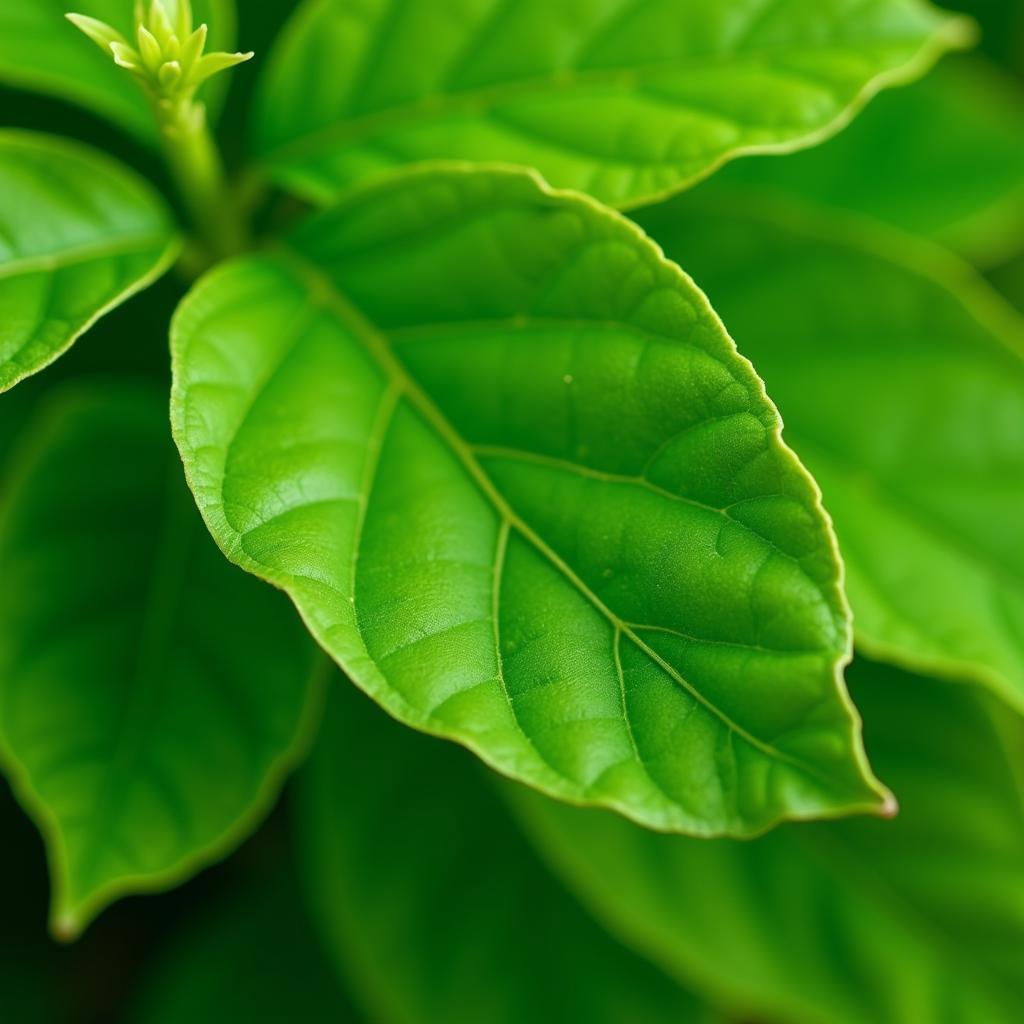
{"x":376,"y":344}
{"x":485,"y":97}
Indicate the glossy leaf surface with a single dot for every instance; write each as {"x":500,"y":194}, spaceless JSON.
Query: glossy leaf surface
{"x":509,"y":466}
{"x":432,"y":902}
{"x":78,"y":235}
{"x":943,"y":158}
{"x":864,"y":922}
{"x":901,"y":382}
{"x":621,"y":100}
{"x":151,"y":695}
{"x":41,"y":51}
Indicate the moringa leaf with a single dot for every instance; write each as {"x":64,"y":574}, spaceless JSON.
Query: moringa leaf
{"x":41,"y":51}
{"x":434,"y":906}
{"x":79,"y":234}
{"x":151,"y":696}
{"x":917,"y":919}
{"x":942,"y":158}
{"x":622,"y":100}
{"x":508,"y":464}
{"x":904,"y":391}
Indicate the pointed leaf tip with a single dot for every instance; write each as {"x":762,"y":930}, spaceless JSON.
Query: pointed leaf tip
{"x":98,"y":31}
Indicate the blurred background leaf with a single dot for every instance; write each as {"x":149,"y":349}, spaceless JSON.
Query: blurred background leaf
{"x":920,"y":919}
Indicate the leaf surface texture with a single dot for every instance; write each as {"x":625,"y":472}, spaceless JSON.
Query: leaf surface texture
{"x":903,"y":389}
{"x":509,"y":466}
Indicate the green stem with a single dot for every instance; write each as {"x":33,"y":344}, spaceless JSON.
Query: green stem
{"x":198,"y":172}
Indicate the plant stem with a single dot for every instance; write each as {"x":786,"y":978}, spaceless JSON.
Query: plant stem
{"x":198,"y":172}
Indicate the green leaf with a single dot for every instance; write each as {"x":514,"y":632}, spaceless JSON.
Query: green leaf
{"x":41,"y":51}
{"x":917,"y":919}
{"x":509,"y":466}
{"x":79,"y":234}
{"x":620,"y":99}
{"x":253,"y":957}
{"x":901,"y":381}
{"x":151,"y":696}
{"x":433,"y":904}
{"x":942,"y":158}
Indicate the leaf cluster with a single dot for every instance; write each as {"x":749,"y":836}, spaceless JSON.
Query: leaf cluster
{"x":623,"y":391}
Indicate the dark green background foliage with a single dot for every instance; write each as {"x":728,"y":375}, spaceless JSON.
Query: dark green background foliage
{"x":630,"y":392}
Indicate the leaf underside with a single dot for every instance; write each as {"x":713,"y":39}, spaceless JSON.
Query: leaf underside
{"x":510,"y":468}
{"x":917,"y":919}
{"x":78,"y":235}
{"x":151,"y":695}
{"x":904,"y":393}
{"x":621,"y":100}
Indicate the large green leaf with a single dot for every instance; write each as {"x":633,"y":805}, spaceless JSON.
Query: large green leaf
{"x":151,"y":696}
{"x":942,"y":158}
{"x":620,"y":99}
{"x":509,"y":466}
{"x":901,"y":381}
{"x":78,"y":235}
{"x":920,"y":919}
{"x":434,"y":905}
{"x":40,"y":50}
{"x":252,"y":957}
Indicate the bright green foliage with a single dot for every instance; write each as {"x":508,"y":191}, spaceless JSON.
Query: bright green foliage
{"x":509,"y":466}
{"x":901,"y":382}
{"x":78,"y":235}
{"x":920,"y":919}
{"x":40,"y":50}
{"x":253,"y":957}
{"x":152,"y":694}
{"x":943,"y":158}
{"x":434,"y":905}
{"x":618,"y":99}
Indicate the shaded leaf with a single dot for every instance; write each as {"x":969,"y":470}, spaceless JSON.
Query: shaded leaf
{"x":78,"y":235}
{"x":864,"y":922}
{"x":618,"y":99}
{"x":251,"y":957}
{"x":151,"y":696}
{"x":509,"y":466}
{"x":432,"y":903}
{"x":901,"y":381}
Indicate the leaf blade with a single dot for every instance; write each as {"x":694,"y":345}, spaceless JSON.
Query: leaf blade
{"x":924,"y":489}
{"x":125,"y":778}
{"x":80,"y":235}
{"x":625,"y":102}
{"x":356,"y":456}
